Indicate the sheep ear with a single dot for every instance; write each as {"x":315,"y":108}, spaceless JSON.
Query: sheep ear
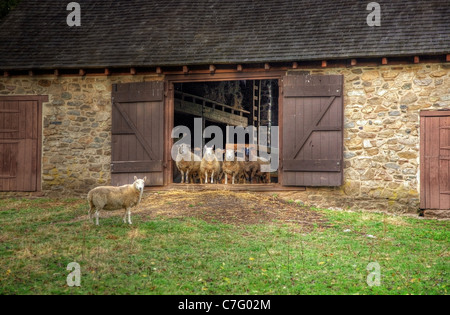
{"x":145,"y":179}
{"x":135,"y":178}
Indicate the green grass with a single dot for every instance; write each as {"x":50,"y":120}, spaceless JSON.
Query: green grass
{"x":39,"y":238}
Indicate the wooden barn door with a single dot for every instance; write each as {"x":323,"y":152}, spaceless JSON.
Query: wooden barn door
{"x":435,"y":160}
{"x":312,"y":130}
{"x":137,"y":133}
{"x":20,"y":143}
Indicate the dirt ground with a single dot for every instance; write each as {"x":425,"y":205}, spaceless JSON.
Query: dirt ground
{"x":238,"y":208}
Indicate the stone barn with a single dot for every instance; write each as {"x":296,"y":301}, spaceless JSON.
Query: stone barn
{"x":357,"y":95}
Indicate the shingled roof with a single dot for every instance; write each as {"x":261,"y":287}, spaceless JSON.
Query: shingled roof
{"x":126,"y":33}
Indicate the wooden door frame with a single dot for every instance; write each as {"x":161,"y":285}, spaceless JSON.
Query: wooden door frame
{"x":40,"y":99}
{"x":426,"y":113}
{"x":169,"y":107}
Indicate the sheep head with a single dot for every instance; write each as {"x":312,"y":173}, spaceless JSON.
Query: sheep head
{"x":139,"y":184}
{"x":184,"y":149}
{"x":209,"y":154}
{"x":229,"y":155}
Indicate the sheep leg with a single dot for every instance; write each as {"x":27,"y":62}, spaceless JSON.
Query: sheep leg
{"x":125,"y":217}
{"x":212,"y":177}
{"x":91,"y":213}
{"x":129,"y":216}
{"x":96,"y":216}
{"x":226,"y":179}
{"x":187,"y":177}
{"x":182,"y":177}
{"x":206,"y":177}
{"x":232,"y":182}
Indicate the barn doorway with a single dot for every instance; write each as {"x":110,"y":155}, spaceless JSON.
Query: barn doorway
{"x":224,"y":104}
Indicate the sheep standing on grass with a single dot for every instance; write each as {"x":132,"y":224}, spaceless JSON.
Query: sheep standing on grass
{"x":231,"y":166}
{"x":116,"y":198}
{"x":210,"y":165}
{"x":187,"y":163}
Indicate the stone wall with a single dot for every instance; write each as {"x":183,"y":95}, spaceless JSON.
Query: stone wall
{"x":381,"y":138}
{"x":76,"y":149}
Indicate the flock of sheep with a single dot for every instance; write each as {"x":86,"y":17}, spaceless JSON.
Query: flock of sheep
{"x":210,"y":169}
{"x":192,"y":168}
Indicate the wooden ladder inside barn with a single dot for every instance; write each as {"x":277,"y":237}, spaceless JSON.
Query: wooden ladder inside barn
{"x":256,"y":107}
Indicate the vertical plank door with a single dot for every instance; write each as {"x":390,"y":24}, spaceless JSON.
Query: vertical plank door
{"x":313,"y":119}
{"x":20,"y":143}
{"x":435,"y":160}
{"x":137,"y":133}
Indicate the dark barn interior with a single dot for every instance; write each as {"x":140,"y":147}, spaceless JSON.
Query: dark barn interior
{"x":226,"y":103}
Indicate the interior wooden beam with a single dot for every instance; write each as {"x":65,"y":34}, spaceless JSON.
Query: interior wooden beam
{"x":416,"y":59}
{"x":353,"y":62}
{"x":384,"y":61}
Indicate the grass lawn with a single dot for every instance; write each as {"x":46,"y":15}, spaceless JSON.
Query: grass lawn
{"x":190,"y":255}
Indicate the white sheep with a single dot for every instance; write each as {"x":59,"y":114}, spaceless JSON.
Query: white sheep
{"x":187,"y":163}
{"x":231,"y":166}
{"x":116,"y":198}
{"x":210,"y":165}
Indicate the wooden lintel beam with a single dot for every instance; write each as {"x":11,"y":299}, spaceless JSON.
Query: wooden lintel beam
{"x":82,"y":72}
{"x":353,"y":62}
{"x":324,"y":64}
{"x":384,"y":61}
{"x":416,"y":59}
{"x":185,"y":69}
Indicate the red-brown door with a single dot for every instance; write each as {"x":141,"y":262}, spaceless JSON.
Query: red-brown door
{"x":20,"y":127}
{"x":312,"y":130}
{"x":435,"y":160}
{"x":138,"y":133}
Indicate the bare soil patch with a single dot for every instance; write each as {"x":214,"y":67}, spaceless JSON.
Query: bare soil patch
{"x":237,"y":208}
